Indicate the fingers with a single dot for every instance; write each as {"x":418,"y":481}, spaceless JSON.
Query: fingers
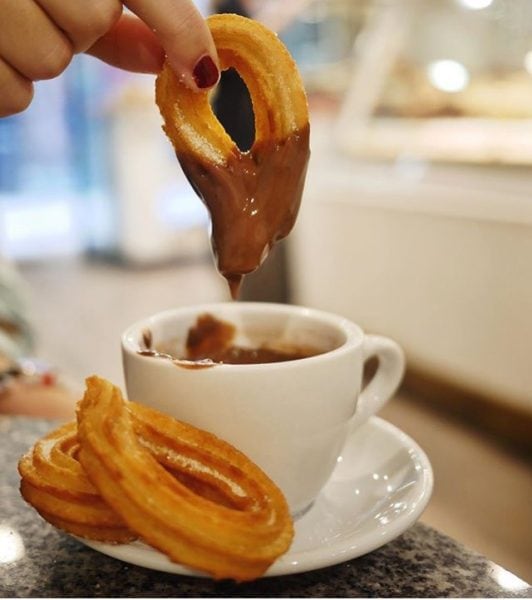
{"x":131,"y":45}
{"x":39,"y":37}
{"x":185,"y":37}
{"x":81,"y":21}
{"x":17,"y":91}
{"x":30,"y":43}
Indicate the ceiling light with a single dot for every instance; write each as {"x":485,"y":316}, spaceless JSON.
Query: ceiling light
{"x":448,"y":75}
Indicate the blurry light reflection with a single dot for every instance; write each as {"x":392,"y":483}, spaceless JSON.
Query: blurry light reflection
{"x":527,"y":62}
{"x":448,"y":75}
{"x":507,"y":580}
{"x":11,"y":545}
{"x":476,"y":4}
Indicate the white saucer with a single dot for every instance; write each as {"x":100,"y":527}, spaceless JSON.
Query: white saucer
{"x":380,"y":487}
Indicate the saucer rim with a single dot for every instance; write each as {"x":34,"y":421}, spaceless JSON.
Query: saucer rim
{"x":303,"y":561}
{"x":369,"y":542}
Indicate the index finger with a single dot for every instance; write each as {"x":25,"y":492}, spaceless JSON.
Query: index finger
{"x":185,"y":37}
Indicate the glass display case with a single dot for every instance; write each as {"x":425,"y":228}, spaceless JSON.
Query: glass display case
{"x":445,"y":80}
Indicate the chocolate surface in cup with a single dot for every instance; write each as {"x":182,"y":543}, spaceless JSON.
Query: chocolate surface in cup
{"x":253,"y":200}
{"x":210,"y":341}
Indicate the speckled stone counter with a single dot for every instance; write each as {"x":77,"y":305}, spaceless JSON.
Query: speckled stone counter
{"x":36,"y":560}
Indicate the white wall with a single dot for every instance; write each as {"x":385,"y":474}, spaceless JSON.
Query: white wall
{"x":444,"y":269}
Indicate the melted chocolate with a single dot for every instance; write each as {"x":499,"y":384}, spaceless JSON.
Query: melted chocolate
{"x":253,"y":200}
{"x":210,"y":342}
{"x":186,"y":363}
{"x":147,"y":338}
{"x":212,"y":338}
{"x":238,"y":355}
{"x":209,"y":338}
{"x":147,"y":346}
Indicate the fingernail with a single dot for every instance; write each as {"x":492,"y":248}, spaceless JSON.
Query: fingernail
{"x":205,"y":72}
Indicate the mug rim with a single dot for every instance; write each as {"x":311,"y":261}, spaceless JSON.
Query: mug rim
{"x":354,"y":335}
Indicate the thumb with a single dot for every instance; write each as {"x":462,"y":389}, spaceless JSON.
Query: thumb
{"x":184,"y":36}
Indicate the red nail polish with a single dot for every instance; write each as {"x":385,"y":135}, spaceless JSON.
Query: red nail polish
{"x":205,"y":72}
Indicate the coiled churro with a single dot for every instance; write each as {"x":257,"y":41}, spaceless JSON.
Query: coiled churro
{"x":131,"y":471}
{"x":55,"y":484}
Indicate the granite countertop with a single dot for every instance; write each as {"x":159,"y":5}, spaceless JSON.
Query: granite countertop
{"x":36,"y":560}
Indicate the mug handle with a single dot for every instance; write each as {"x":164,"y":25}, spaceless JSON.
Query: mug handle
{"x":385,"y":381}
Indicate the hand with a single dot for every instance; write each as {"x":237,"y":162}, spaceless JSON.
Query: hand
{"x":39,"y":38}
{"x":38,"y":400}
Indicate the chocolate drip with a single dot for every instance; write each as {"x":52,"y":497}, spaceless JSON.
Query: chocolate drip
{"x":253,"y":200}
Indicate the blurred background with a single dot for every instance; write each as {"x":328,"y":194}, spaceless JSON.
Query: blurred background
{"x":416,"y":223}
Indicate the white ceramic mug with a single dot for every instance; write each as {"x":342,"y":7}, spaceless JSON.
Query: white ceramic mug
{"x":291,"y":418}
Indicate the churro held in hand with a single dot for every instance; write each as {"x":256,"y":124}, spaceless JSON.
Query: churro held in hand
{"x":253,"y":197}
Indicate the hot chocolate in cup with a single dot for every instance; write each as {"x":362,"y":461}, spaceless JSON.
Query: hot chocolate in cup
{"x":281,"y":383}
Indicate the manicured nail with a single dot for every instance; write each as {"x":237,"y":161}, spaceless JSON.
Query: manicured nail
{"x":205,"y":72}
